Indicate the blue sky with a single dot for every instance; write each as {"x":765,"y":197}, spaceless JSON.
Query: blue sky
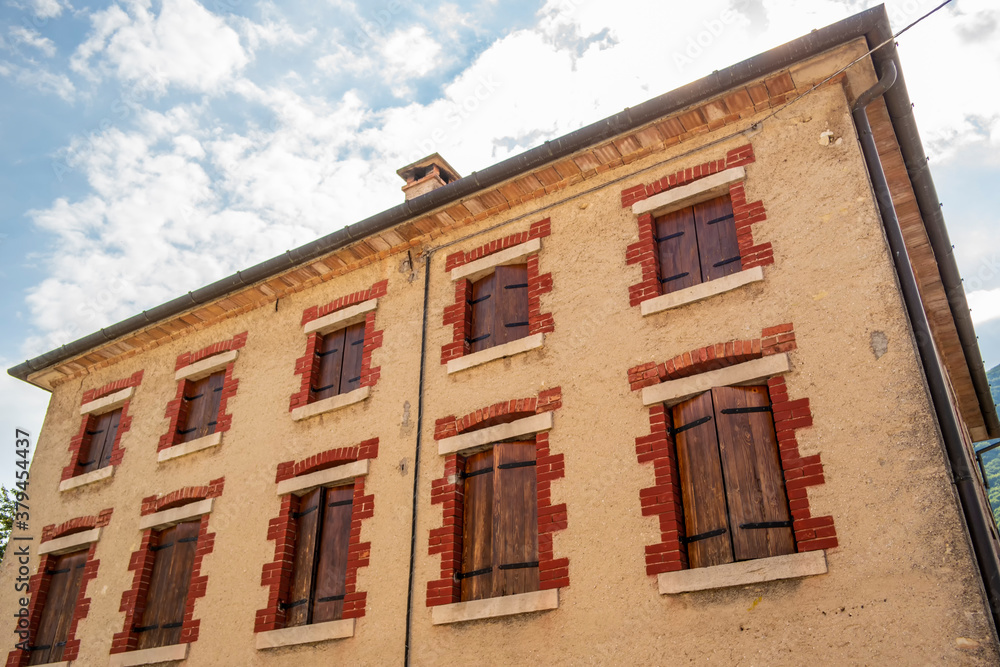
{"x":151,"y":146}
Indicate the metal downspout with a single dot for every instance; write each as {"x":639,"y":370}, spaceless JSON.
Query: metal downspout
{"x":980,"y":526}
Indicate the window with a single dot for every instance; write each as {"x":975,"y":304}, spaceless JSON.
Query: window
{"x":174,"y":553}
{"x":500,"y":532}
{"x":499,"y":307}
{"x":101,"y":432}
{"x":202,"y":398}
{"x":339,"y":355}
{"x":321,"y":547}
{"x":732,"y":487}
{"x":697,"y":244}
{"x":60,"y":603}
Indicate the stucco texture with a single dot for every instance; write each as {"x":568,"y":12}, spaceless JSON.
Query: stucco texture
{"x":902,"y":586}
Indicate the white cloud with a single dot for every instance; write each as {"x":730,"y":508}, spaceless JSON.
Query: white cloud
{"x":33,"y":39}
{"x":184,"y":46}
{"x":39,"y":78}
{"x":985,"y":305}
{"x":273,"y":33}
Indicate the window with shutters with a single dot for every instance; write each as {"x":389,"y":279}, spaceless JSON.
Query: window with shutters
{"x":732,"y":485}
{"x":323,"y":531}
{"x":95,"y":452}
{"x":697,"y":244}
{"x":500,"y":531}
{"x":173,"y":557}
{"x":499,"y":307}
{"x":64,"y":576}
{"x":201,"y":400}
{"x":340,"y":355}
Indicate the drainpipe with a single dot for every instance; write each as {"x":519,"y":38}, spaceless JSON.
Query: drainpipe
{"x":978,"y":523}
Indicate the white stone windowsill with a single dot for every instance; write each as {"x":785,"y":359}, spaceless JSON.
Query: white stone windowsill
{"x":496,"y":352}
{"x":150,"y":656}
{"x":305,"y":634}
{"x":335,"y":476}
{"x":339,"y":319}
{"x":508,"y":605}
{"x":749,"y":372}
{"x":483,"y":267}
{"x":190,"y":447}
{"x":176,"y":514}
{"x":677,"y":198}
{"x":701,"y":291}
{"x":87,"y":478}
{"x":330,"y":404}
{"x":757,"y":571}
{"x":466,"y":442}
{"x":207,"y":366}
{"x":64,"y":663}
{"x":62,"y":545}
{"x":107,"y":403}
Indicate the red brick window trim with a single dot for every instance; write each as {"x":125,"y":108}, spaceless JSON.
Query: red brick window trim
{"x":133,"y":601}
{"x":663,"y":499}
{"x":89,"y":422}
{"x":459,"y":314}
{"x":644,"y":252}
{"x":448,"y":491}
{"x":38,"y":585}
{"x":308,"y":365}
{"x":277,"y":575}
{"x":176,"y":412}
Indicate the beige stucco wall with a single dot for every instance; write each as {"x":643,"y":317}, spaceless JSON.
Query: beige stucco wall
{"x":902,"y":586}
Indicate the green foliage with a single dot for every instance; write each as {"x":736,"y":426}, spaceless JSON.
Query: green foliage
{"x":7,"y":509}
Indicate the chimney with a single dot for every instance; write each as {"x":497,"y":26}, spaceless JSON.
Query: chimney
{"x":425,"y":175}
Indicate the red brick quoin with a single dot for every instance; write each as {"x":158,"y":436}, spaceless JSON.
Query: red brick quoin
{"x":134,"y":599}
{"x":746,"y":214}
{"x":308,"y":364}
{"x":448,"y":491}
{"x":89,"y":423}
{"x":176,"y":411}
{"x":663,"y":499}
{"x":38,"y":585}
{"x":459,"y":314}
{"x":277,"y":575}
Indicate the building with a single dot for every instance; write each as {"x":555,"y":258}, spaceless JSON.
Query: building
{"x":696,"y":382}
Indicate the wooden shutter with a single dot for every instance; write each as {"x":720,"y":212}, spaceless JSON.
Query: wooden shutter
{"x":330,"y":351}
{"x":64,"y":588}
{"x":96,"y":451}
{"x":755,"y":487}
{"x":196,"y":395}
{"x":477,"y":535}
{"x":298,"y":606}
{"x":483,"y":313}
{"x":515,"y":541}
{"x":331,"y":570}
{"x":717,"y":246}
{"x":677,"y":248}
{"x":354,"y":344}
{"x":214,"y":389}
{"x":511,"y":309}
{"x":167,"y":594}
{"x":702,"y":487}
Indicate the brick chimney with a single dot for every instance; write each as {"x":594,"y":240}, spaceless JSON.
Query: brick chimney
{"x":425,"y":175}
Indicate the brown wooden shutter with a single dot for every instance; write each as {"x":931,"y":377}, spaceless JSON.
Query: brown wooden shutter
{"x":511,"y":309}
{"x":196,"y":395}
{"x":515,"y":540}
{"x":64,"y":588}
{"x":354,"y":344}
{"x":330,"y":351}
{"x":331,"y":570}
{"x":483,"y":313}
{"x":168,"y":588}
{"x":702,"y":487}
{"x":214,"y":389}
{"x":755,"y":487}
{"x":96,"y":451}
{"x":298,"y":605}
{"x":717,"y":246}
{"x":477,"y":535}
{"x":677,"y":247}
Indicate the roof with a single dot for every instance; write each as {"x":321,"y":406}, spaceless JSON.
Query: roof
{"x":761,"y":81}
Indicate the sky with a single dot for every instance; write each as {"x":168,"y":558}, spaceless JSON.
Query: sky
{"x":149,"y":147}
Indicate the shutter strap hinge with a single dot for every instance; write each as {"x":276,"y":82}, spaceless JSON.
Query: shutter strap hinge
{"x":289,"y":605}
{"x":323,"y":354}
{"x":516,"y":324}
{"x":299,"y":515}
{"x":470,"y":341}
{"x":144,"y":628}
{"x":740,"y":411}
{"x":672,"y":278}
{"x":341,"y":503}
{"x":331,"y":598}
{"x":518,"y":464}
{"x":703,"y":536}
{"x":191,"y":398}
{"x":483,"y":471}
{"x":519,"y":566}
{"x":725,"y":217}
{"x":475,"y":301}
{"x":696,"y":422}
{"x":171,"y":626}
{"x":726,"y":261}
{"x":474,"y":573}
{"x":766,"y":524}
{"x":661,"y":239}
{"x":517,"y":286}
